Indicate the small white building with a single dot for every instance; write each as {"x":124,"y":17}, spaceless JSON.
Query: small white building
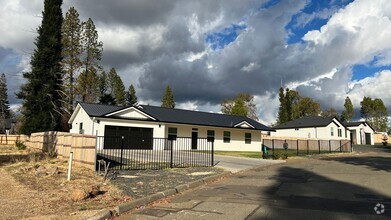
{"x":230,"y":133}
{"x":312,"y":127}
{"x":361,"y":132}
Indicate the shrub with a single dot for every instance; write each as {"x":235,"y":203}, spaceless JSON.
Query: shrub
{"x":20,"y":145}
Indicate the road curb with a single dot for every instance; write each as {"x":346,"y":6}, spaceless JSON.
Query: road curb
{"x":125,"y":207}
{"x":101,"y":215}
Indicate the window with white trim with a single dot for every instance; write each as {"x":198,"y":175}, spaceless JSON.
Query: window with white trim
{"x":247,"y":138}
{"x":227,"y":136}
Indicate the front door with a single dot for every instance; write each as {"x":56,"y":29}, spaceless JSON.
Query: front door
{"x":368,"y":138}
{"x":194,"y":139}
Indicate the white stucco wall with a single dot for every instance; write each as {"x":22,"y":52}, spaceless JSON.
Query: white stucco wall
{"x":81,"y":117}
{"x":237,"y":142}
{"x":96,"y":126}
{"x":314,"y":132}
{"x":359,"y":133}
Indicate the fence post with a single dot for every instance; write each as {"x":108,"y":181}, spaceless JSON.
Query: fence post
{"x":297,"y":147}
{"x":171,"y":153}
{"x":212,"y":153}
{"x":308,"y":146}
{"x":96,"y":152}
{"x":319,"y":145}
{"x":122,"y":151}
{"x":273,"y":149}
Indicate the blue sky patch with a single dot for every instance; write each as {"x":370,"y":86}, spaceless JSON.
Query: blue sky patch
{"x":312,"y":17}
{"x":218,"y":40}
{"x":361,"y":71}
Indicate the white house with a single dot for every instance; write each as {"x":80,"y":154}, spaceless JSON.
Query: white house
{"x":313,"y":127}
{"x":361,"y":132}
{"x":230,"y":133}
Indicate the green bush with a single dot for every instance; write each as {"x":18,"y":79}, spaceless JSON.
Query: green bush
{"x":20,"y":145}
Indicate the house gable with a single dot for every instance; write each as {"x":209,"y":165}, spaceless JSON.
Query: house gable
{"x":74,"y":114}
{"x":131,"y":113}
{"x":243,"y":124}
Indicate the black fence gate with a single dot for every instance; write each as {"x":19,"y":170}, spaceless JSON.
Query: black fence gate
{"x":139,"y":153}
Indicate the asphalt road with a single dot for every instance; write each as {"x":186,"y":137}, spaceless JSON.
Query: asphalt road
{"x":339,"y":186}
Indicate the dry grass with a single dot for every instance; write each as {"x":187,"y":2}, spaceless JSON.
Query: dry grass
{"x":23,"y":194}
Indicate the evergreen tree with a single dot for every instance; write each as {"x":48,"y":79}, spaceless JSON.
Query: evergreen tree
{"x":41,"y":93}
{"x":4,"y":108}
{"x":239,"y":107}
{"x":348,"y":113}
{"x":117,"y":88}
{"x":168,"y":98}
{"x":71,"y":51}
{"x":104,"y":96}
{"x":282,"y":110}
{"x":131,"y":97}
{"x":92,"y":50}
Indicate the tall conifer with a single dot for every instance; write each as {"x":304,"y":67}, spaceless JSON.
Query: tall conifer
{"x":41,"y":94}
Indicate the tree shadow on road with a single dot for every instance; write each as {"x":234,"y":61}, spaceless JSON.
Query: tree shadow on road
{"x":302,"y":194}
{"x":376,"y":163}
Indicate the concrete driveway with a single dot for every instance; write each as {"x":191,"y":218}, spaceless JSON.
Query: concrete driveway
{"x":237,"y":164}
{"x":338,"y":186}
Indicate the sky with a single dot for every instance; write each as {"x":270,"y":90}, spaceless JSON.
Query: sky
{"x":211,"y":50}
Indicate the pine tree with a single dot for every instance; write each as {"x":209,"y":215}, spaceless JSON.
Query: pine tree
{"x":348,"y":113}
{"x":168,"y":98}
{"x":41,"y":93}
{"x":92,"y":50}
{"x":4,"y":108}
{"x":131,"y":97}
{"x":117,"y":88}
{"x":71,"y":51}
{"x":104,"y":96}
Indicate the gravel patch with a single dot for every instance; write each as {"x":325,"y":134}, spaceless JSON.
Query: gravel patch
{"x":141,"y":183}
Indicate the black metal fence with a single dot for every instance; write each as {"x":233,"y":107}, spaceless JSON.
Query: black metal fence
{"x":275,"y":147}
{"x":154,"y":153}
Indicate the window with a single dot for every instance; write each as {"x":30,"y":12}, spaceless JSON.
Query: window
{"x":247,"y":138}
{"x":332,"y":131}
{"x":211,"y":135}
{"x":172,"y":133}
{"x":227,"y":136}
{"x":81,"y":130}
{"x":346,"y":133}
{"x":339,"y":132}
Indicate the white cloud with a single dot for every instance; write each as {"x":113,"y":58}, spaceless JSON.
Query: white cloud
{"x":377,"y":86}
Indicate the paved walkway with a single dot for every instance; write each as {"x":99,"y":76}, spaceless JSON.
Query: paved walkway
{"x":340,"y":186}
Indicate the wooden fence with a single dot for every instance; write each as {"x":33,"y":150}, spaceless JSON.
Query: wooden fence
{"x":379,"y":138}
{"x":82,"y":146}
{"x":11,"y":139}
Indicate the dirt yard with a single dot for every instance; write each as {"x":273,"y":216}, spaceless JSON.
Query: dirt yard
{"x":33,"y":186}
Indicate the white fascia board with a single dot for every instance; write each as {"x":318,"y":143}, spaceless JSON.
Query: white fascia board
{"x":75,"y":112}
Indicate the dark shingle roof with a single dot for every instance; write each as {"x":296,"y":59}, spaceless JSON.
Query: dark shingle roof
{"x":353,"y":123}
{"x":99,"y":109}
{"x":199,"y":118}
{"x":304,"y":122}
{"x":357,"y":123}
{"x":178,"y":116}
